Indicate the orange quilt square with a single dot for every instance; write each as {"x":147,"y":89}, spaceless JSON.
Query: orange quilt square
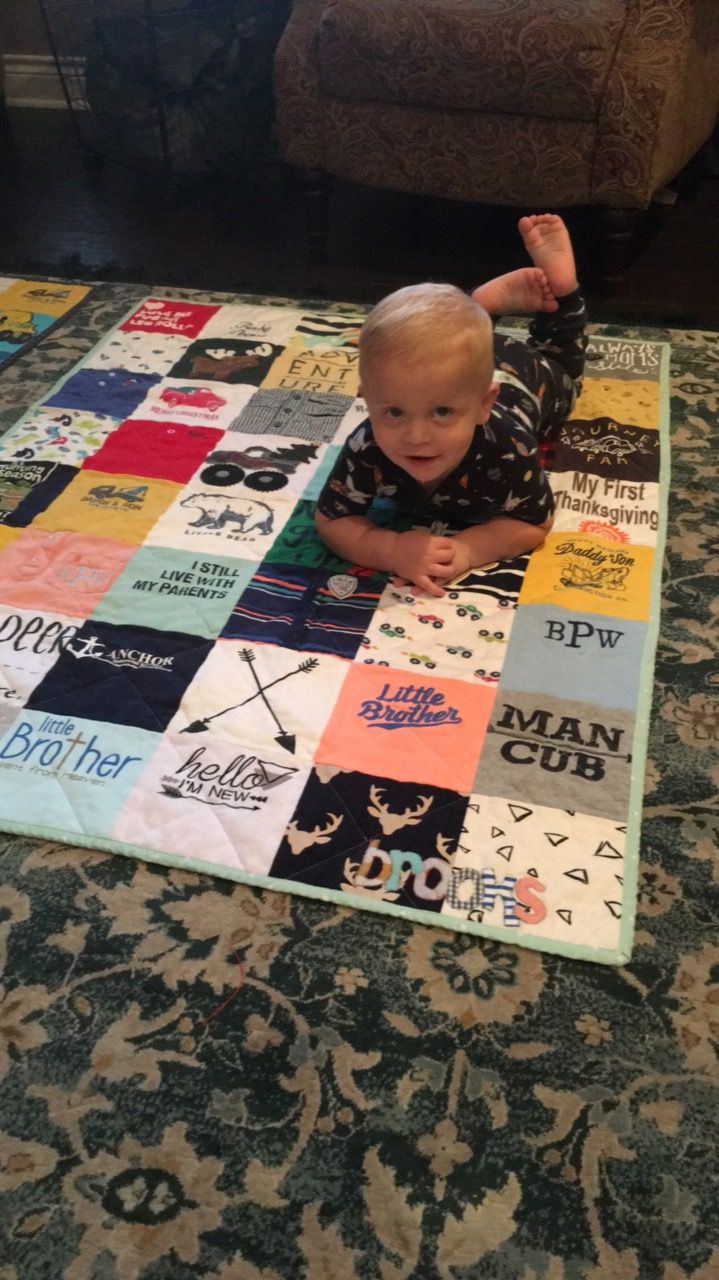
{"x":430,"y":731}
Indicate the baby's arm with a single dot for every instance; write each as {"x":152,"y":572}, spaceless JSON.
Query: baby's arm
{"x":416,"y":555}
{"x":498,"y":539}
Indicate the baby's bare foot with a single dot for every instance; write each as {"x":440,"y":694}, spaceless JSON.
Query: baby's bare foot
{"x":524,"y":290}
{"x":547,"y":242}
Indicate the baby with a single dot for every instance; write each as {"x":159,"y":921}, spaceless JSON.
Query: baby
{"x":456,"y":416}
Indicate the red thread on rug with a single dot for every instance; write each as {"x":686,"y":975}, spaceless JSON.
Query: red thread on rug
{"x":231,"y":996}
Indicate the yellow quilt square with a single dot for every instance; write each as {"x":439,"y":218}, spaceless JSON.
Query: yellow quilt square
{"x":122,"y":507}
{"x":636,"y":404}
{"x":579,"y":571}
{"x":7,"y":536}
{"x":328,"y":370}
{"x":45,"y":297}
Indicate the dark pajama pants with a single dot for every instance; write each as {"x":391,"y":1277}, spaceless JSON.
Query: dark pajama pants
{"x":549,"y":363}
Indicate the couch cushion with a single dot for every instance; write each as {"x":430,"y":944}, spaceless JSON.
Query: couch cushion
{"x":520,"y":57}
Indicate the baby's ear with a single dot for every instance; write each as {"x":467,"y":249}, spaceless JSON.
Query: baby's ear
{"x":488,"y":400}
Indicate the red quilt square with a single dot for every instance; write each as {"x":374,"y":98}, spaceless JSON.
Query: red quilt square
{"x":155,"y":315}
{"x":162,"y":450}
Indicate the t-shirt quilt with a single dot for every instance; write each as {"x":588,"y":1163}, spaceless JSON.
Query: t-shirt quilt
{"x":190,"y":676}
{"x":30,"y":308}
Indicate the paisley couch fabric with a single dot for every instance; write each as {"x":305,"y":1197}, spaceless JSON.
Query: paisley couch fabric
{"x":201,"y":1081}
{"x":502,"y":101}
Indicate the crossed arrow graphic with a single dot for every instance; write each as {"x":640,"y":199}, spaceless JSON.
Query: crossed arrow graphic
{"x":285,"y":739}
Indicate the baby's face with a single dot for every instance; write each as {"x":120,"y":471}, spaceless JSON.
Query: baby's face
{"x":424,"y":414}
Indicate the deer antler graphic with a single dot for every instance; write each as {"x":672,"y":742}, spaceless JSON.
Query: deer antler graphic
{"x":391,"y":822}
{"x":300,"y":840}
{"x":442,"y":844}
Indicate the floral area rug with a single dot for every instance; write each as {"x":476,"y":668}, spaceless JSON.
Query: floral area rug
{"x":201,"y":1079}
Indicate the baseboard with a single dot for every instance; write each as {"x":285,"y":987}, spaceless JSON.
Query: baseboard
{"x":32,"y":80}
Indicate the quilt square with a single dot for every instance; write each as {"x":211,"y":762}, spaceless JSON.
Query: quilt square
{"x":587,"y":657}
{"x":18,"y":326}
{"x":229,"y":360}
{"x":623,"y":359}
{"x":193,"y":403}
{"x":555,"y":874}
{"x":304,"y":608}
{"x":120,"y":506}
{"x":27,"y":488}
{"x":138,"y":352}
{"x":220,"y":520}
{"x":307,"y":415}
{"x":212,"y":803}
{"x":376,"y":838}
{"x":113,"y":392}
{"x":581,"y":572}
{"x":430,"y":731}
{"x":130,"y":675}
{"x":30,"y":643}
{"x":160,"y":315}
{"x":53,"y":299}
{"x":634,"y":402}
{"x":609,"y":449}
{"x":260,"y":464}
{"x":536,"y":741}
{"x":299,"y":543}
{"x":70,"y":773}
{"x":65,"y":573}
{"x":271,"y":700}
{"x":451,"y":635}
{"x":616,"y":510}
{"x":254,"y":321}
{"x":175,"y":591}
{"x":52,"y":435}
{"x":160,"y":450}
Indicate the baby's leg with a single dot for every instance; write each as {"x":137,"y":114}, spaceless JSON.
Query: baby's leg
{"x":560,"y":336}
{"x":549,"y":365}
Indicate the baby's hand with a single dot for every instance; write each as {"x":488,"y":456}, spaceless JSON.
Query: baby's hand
{"x":421,"y":558}
{"x":460,"y":561}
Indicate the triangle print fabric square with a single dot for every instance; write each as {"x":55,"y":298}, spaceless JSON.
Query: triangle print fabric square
{"x":190,"y":675}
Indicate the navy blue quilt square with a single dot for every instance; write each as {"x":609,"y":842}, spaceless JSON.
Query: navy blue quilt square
{"x":373,"y":837}
{"x":116,"y":392}
{"x":301,"y":607}
{"x":27,"y":488}
{"x":124,"y":674}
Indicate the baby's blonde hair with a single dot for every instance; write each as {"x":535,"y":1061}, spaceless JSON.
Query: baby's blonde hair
{"x":425,"y":321}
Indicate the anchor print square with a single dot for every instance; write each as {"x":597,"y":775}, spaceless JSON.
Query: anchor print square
{"x":273,"y":700}
{"x":407,"y":727}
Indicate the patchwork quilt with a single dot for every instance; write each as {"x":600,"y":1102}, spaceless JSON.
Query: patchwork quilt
{"x":29,"y":308}
{"x":188,"y":675}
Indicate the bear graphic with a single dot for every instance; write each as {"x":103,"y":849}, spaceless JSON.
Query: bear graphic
{"x":218,"y":510}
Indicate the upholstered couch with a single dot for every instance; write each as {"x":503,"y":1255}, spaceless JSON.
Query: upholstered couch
{"x":532,"y":103}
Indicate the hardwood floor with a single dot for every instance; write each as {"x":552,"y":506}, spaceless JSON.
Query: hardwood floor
{"x":247,"y":233}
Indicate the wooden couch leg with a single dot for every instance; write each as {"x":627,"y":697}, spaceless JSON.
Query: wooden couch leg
{"x":316,"y":190}
{"x":618,"y":230}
